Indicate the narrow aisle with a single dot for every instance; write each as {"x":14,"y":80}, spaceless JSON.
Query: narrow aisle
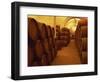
{"x":67,"y":55}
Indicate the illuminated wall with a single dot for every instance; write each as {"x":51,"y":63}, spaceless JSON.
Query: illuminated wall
{"x":58,"y":20}
{"x":72,"y":24}
{"x":48,"y":20}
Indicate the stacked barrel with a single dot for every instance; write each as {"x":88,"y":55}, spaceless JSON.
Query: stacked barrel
{"x":82,"y":40}
{"x":41,"y":43}
{"x":58,"y":40}
{"x":51,"y":41}
{"x":65,"y":36}
{"x":62,"y":37}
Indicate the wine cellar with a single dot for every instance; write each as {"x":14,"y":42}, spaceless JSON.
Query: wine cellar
{"x":57,"y":40}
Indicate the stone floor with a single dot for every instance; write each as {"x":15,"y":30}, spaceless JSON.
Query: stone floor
{"x":67,"y":55}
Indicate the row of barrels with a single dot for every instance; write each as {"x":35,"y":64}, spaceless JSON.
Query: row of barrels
{"x":62,"y":37}
{"x":41,"y":43}
{"x":81,"y":39}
